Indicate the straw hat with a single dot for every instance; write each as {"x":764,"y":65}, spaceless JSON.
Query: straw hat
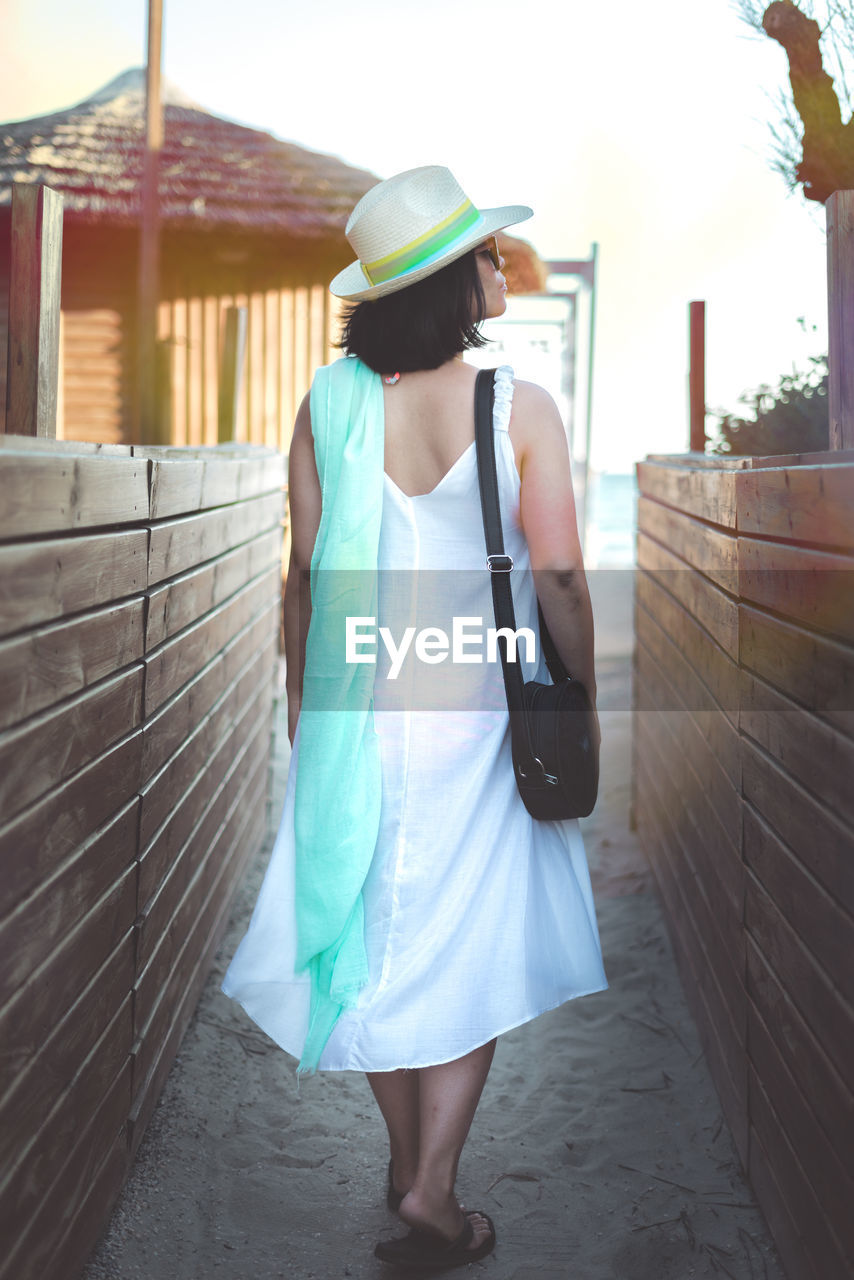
{"x":409,"y":226}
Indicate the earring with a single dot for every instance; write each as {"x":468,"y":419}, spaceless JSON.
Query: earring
{"x":391,"y":378}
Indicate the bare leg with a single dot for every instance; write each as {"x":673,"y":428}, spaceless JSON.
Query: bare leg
{"x":396,"y":1093}
{"x":448,"y":1095}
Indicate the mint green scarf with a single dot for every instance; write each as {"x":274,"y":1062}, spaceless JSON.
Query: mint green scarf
{"x":338,"y":787}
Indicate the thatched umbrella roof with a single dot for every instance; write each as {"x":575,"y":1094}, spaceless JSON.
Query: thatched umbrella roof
{"x":214,"y":174}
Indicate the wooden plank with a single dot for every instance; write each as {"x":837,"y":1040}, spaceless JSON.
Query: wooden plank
{"x":179,"y":544}
{"x":34,"y":930}
{"x":808,"y":1214}
{"x":45,"y":494}
{"x":810,"y":505}
{"x":41,"y":839}
{"x":158,"y":1040}
{"x":175,"y":1012}
{"x":804,"y":665}
{"x":178,"y":660}
{"x":821,"y":842}
{"x":33,"y":1012}
{"x":688,"y":692}
{"x":784,"y":1230}
{"x":840,"y":307}
{"x":822,"y":926}
{"x":701,"y":545}
{"x":97,"y":1141}
{"x":180,"y":601}
{"x":43,"y":580}
{"x":828,"y":1093}
{"x":716,"y":671}
{"x":812,"y":752}
{"x":47,"y":748}
{"x":43,"y":666}
{"x":705,"y":493}
{"x":824,"y":1009}
{"x":35,"y":285}
{"x":163,"y":791}
{"x":199,"y":818}
{"x":715,"y":610}
{"x":812,"y":587}
{"x":61,"y":448}
{"x":40,"y":1078}
{"x":173,"y":723}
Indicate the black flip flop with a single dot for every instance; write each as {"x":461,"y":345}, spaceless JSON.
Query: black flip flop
{"x":423,"y":1251}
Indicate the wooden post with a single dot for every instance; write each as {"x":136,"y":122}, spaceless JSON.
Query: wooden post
{"x":34,"y":300}
{"x":697,"y":376}
{"x":231,"y":370}
{"x":149,"y":429}
{"x":840,"y":304}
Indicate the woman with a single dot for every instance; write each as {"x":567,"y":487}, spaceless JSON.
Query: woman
{"x":412,"y":909}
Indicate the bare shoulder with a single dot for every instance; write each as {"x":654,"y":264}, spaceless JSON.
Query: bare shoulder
{"x":302,"y":422}
{"x":535,"y":418}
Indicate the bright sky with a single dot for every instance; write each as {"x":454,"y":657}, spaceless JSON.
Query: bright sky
{"x":641,"y":127}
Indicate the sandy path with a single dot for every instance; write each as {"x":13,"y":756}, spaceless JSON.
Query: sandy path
{"x":599,"y":1148}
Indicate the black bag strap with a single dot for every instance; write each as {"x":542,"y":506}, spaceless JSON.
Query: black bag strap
{"x":499,"y":565}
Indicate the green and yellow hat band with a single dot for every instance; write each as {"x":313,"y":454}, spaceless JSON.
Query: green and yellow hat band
{"x":421,"y":251}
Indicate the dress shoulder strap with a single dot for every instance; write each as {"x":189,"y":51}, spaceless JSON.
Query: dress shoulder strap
{"x":503,"y":397}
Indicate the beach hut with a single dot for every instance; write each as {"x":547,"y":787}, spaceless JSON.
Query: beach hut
{"x":247,"y":220}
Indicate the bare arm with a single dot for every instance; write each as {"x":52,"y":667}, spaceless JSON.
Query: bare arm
{"x":547,"y":514}
{"x":304,"y":503}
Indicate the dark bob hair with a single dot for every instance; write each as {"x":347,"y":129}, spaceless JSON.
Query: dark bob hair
{"x":422,"y":326}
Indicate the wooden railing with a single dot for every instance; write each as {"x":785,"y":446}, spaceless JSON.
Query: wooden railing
{"x":744,"y":799}
{"x":139,"y":620}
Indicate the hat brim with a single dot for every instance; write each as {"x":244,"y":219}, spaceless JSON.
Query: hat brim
{"x":353,"y":285}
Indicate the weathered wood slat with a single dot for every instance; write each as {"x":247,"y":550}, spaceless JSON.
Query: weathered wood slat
{"x":812,"y":505}
{"x":812,"y":587}
{"x":52,"y":448}
{"x":701,"y":545}
{"x":181,"y":543}
{"x":41,"y":1078}
{"x":44,"y":494}
{"x":807,"y":667}
{"x":47,"y":748}
{"x":823,"y":1008}
{"x":820,"y":1250}
{"x":716,"y":671}
{"x":785,"y":1229}
{"x":173,"y":723}
{"x":713,"y":609}
{"x":811,"y":751}
{"x":182,"y":600}
{"x":178,"y":659}
{"x":816,"y":836}
{"x":198,"y":822}
{"x":49,"y":831}
{"x":103,"y":1138}
{"x":707,"y":494}
{"x":40,"y":581}
{"x":31,"y":933}
{"x":164,"y":791}
{"x":196,"y":483}
{"x":43,"y":666}
{"x":163,"y":1036}
{"x":829,"y":1094}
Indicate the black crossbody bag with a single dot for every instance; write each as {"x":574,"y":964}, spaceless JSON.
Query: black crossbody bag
{"x":552,"y":726}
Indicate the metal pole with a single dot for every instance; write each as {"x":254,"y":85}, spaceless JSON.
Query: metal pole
{"x":148,"y":428}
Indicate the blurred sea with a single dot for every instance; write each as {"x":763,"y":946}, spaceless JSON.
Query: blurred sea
{"x":611,"y":521}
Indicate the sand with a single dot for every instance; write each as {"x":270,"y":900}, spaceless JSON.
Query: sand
{"x":599,"y":1148}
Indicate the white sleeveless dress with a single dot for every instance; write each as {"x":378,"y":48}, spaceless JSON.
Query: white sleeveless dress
{"x":478,"y":917}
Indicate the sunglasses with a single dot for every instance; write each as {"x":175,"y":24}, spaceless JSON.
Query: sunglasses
{"x":490,"y":246}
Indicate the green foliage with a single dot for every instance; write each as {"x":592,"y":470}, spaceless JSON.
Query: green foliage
{"x":793,"y":418}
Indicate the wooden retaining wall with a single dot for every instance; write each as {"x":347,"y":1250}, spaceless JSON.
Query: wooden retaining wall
{"x":140,"y":599}
{"x":744,"y":800}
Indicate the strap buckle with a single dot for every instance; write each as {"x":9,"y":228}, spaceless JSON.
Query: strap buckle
{"x":499,"y":563}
